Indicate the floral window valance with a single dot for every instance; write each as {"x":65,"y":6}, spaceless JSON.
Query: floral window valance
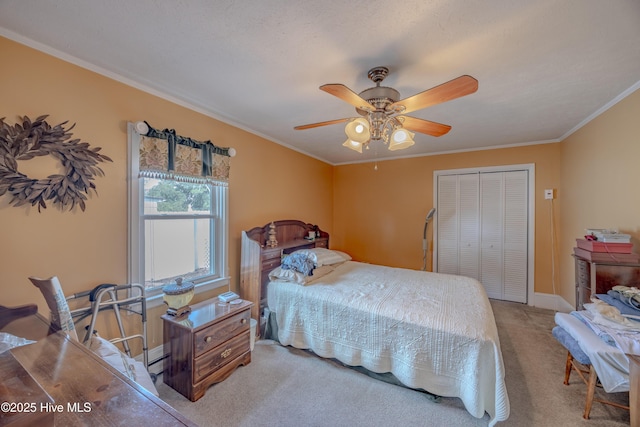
{"x":165,"y":155}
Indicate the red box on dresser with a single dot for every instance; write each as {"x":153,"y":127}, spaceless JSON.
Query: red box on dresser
{"x":611,"y":257}
{"x":610,"y":247}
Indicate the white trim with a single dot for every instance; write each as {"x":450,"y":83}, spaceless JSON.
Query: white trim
{"x":529,"y":167}
{"x":190,"y":104}
{"x":602,"y":109}
{"x":442,"y":152}
{"x":197,"y":107}
{"x":135,"y":235}
{"x":155,"y":298}
{"x":552,"y":302}
{"x":154,"y":354}
{"x":133,"y":198}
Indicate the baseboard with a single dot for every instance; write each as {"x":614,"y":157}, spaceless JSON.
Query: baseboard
{"x":156,"y":359}
{"x":552,"y":302}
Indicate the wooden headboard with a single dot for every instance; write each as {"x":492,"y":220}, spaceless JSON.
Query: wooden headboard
{"x":287,"y":231}
{"x":258,"y":258}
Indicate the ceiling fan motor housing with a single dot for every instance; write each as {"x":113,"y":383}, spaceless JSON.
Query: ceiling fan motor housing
{"x":379,"y":97}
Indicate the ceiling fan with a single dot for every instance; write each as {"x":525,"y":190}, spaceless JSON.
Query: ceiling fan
{"x":383,"y":111}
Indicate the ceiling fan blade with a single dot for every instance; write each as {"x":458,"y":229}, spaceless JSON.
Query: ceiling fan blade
{"x":347,"y":95}
{"x":424,"y":126}
{"x":315,"y":125}
{"x":461,"y":86}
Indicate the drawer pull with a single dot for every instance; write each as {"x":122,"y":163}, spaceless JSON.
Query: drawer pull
{"x":243,"y":321}
{"x":208,"y":339}
{"x":226,"y":353}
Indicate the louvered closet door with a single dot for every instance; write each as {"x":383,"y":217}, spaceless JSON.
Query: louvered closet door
{"x":491,"y":232}
{"x":458,"y":225}
{"x":468,"y":208}
{"x":483,"y":229}
{"x":516,"y":222}
{"x":447,"y":209}
{"x":503,"y":234}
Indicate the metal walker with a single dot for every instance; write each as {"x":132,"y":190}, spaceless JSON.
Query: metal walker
{"x":130,"y":298}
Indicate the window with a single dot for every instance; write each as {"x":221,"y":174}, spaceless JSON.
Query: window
{"x":177,"y":225}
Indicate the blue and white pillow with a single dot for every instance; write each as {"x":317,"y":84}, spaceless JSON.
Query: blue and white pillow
{"x":300,"y":262}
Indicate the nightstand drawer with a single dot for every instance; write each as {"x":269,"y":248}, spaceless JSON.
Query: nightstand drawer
{"x":217,"y":334}
{"x":220,"y":356}
{"x":271,"y":254}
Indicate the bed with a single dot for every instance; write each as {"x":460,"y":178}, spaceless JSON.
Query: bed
{"x":434,"y":332}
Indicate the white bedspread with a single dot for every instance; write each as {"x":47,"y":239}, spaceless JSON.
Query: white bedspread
{"x":432,"y":331}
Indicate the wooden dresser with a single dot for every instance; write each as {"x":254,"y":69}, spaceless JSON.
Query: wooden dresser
{"x":258,"y":259}
{"x":598,"y":277}
{"x":206,"y":345}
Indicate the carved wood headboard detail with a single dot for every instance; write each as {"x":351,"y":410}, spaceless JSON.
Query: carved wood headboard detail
{"x":258,"y":259}
{"x":287,"y":230}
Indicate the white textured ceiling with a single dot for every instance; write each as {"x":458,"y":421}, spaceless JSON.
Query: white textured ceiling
{"x":544,"y":67}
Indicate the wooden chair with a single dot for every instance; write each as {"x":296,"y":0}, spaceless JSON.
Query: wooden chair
{"x":9,"y":314}
{"x":578,"y":361}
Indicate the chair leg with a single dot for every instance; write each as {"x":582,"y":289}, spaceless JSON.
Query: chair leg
{"x":591,"y":388}
{"x":567,"y":369}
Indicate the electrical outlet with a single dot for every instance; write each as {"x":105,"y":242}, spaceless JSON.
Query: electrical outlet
{"x":548,"y":194}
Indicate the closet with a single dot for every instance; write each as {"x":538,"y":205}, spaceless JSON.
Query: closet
{"x":482,"y":229}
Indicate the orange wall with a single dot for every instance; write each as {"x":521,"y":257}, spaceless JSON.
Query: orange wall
{"x":87,"y":248}
{"x":600,"y":178}
{"x":379,"y":214}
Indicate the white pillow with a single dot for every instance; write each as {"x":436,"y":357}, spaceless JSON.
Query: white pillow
{"x":293,"y":276}
{"x":324,"y":256}
{"x":344,"y":255}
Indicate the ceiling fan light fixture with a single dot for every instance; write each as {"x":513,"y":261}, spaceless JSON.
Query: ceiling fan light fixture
{"x":380,"y":107}
{"x":354,"y":145}
{"x":358,"y":130}
{"x":401,"y":139}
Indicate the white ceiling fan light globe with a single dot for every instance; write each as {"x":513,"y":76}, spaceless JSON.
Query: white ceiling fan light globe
{"x":401,"y":139}
{"x":358,"y":130}
{"x":400,"y":135}
{"x":353,"y":145}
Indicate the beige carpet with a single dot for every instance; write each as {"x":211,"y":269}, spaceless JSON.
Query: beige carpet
{"x":290,"y":387}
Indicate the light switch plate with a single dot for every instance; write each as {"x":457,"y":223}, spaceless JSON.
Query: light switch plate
{"x":548,"y":194}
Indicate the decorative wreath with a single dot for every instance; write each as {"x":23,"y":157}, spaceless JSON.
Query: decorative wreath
{"x":38,"y":138}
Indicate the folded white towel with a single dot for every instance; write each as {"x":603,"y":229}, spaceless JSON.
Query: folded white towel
{"x":610,"y":363}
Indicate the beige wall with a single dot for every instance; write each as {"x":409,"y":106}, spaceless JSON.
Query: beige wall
{"x":379,"y":214}
{"x":599,"y":177}
{"x":87,"y":248}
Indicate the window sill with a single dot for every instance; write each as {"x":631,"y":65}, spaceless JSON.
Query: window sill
{"x":154,"y":299}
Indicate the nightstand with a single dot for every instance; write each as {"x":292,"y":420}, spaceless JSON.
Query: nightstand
{"x":206,"y":345}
